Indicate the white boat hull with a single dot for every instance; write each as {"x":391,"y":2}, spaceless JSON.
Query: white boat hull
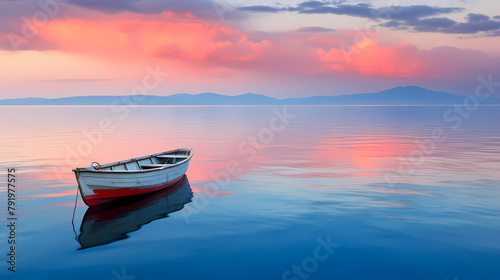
{"x":100,"y":186}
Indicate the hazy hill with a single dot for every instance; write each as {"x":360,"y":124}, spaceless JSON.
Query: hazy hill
{"x":409,"y":95}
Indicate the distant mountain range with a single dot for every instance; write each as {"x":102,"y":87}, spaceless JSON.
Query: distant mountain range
{"x":409,"y":95}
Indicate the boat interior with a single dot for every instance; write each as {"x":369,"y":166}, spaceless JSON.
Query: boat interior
{"x":147,"y":162}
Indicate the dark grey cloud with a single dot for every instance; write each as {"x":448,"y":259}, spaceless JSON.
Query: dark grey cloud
{"x":421,"y":25}
{"x":311,"y":4}
{"x":300,"y":6}
{"x":472,"y":27}
{"x":428,"y":24}
{"x":358,"y":10}
{"x":261,"y":8}
{"x":113,"y":6}
{"x":417,"y":11}
{"x":394,"y":24}
{"x":475,"y":23}
{"x":477,"y":17}
{"x":363,"y":10}
{"x":206,"y":9}
{"x":416,"y":18}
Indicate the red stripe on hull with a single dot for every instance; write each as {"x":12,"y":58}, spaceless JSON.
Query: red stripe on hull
{"x":101,"y":196}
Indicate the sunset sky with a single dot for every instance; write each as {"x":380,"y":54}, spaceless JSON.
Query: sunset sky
{"x":280,"y":49}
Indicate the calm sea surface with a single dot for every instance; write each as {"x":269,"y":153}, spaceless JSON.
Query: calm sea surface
{"x":306,"y":192}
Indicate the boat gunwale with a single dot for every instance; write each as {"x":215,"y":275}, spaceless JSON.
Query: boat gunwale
{"x":100,"y":171}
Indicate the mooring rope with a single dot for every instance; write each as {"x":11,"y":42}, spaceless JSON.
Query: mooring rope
{"x":76,"y":202}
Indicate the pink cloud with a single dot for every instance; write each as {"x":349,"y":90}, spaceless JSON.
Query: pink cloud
{"x":186,"y":39}
{"x":211,"y":50}
{"x":200,"y":43}
{"x":370,"y":59}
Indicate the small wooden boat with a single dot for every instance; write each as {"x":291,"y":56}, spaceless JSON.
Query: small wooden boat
{"x":102,"y":183}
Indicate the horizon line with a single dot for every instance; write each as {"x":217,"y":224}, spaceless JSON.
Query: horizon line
{"x":193,"y":94}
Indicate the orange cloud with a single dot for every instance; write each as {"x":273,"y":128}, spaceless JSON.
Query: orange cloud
{"x":186,"y":39}
{"x":221,"y":58}
{"x":369,"y":59}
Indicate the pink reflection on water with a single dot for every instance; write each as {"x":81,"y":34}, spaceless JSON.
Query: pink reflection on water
{"x":214,"y":194}
{"x":366,"y":152}
{"x":319,"y":150}
{"x":66,"y":193}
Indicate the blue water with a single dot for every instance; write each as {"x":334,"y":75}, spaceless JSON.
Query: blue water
{"x":329,"y":192}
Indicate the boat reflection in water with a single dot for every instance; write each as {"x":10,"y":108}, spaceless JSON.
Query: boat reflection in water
{"x":109,"y":222}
